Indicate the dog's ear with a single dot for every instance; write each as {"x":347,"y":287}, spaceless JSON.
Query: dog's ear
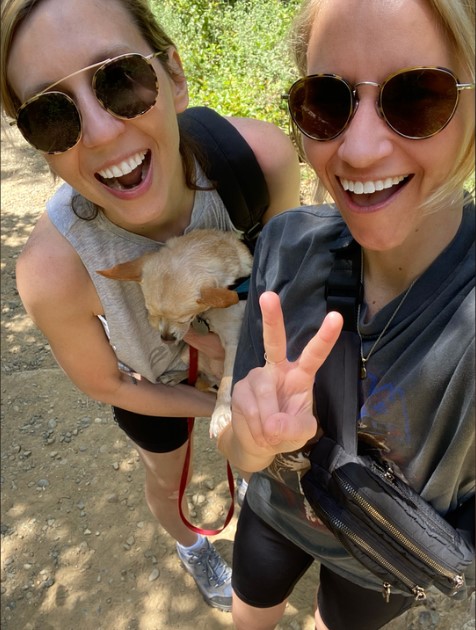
{"x":216,"y":297}
{"x":130,"y":270}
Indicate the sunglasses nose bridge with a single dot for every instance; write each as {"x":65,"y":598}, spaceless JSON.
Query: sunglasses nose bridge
{"x":373,"y":83}
{"x":378,"y":105}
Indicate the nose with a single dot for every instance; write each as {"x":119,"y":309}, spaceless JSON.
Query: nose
{"x":98,"y":126}
{"x":368,"y":138}
{"x":168,"y":337}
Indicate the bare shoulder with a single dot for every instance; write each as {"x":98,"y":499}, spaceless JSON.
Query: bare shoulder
{"x":278,"y":160}
{"x":50,"y":274}
{"x":272,"y":147}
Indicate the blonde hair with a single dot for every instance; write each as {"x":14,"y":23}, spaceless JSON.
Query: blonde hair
{"x":456,"y":18}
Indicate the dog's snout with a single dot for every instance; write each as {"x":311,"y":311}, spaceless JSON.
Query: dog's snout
{"x":168,"y":337}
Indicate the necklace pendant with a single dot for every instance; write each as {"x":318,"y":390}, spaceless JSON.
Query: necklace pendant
{"x":363,"y":371}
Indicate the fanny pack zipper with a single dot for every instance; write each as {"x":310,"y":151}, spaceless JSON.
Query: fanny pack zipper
{"x":417,"y":591}
{"x":456,"y":580}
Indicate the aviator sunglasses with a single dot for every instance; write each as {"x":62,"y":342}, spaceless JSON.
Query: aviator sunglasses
{"x":125,"y":86}
{"x":415,"y":103}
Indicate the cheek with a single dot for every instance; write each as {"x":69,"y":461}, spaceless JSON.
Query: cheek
{"x":439,"y":156}
{"x":161,"y":125}
{"x":320,"y":156}
{"x":65,"y":165}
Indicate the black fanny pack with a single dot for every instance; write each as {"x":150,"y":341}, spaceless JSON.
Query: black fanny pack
{"x":376,"y":516}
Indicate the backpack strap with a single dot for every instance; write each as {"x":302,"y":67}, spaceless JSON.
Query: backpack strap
{"x":337,"y":380}
{"x":337,"y":392}
{"x":232,"y":166}
{"x":344,"y":289}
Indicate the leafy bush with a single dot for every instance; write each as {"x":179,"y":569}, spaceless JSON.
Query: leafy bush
{"x":235,"y":53}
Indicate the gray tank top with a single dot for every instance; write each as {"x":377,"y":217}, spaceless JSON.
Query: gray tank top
{"x":101,"y":244}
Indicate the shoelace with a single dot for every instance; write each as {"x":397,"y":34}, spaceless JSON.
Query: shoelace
{"x":209,"y":559}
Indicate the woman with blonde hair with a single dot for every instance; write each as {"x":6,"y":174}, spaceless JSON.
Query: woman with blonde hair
{"x":385,"y":110}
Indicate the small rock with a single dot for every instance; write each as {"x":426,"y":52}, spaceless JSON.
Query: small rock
{"x":199,"y":499}
{"x":48,"y":583}
{"x":154,"y":574}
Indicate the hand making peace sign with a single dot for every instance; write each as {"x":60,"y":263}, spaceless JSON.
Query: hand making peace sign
{"x":273,"y":405}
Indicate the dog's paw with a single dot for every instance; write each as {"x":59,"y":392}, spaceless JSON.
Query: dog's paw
{"x":221,"y":418}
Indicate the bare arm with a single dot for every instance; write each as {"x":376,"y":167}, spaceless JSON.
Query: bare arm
{"x":60,"y":297}
{"x":278,"y":160}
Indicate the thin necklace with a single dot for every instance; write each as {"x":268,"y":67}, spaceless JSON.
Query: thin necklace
{"x":363,"y":360}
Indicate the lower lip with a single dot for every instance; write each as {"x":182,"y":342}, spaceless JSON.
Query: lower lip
{"x":137,"y":191}
{"x":373,"y":207}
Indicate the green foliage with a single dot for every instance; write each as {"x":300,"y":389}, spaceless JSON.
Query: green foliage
{"x":235,"y":53}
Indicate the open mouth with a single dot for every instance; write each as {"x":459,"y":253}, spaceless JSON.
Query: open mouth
{"x":128,"y":174}
{"x":372,"y":192}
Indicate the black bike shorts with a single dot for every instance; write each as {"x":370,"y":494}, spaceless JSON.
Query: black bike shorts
{"x":267,"y":566}
{"x":152,"y":433}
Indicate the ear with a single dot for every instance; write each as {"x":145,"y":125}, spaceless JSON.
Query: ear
{"x":179,"y":82}
{"x":216,"y":297}
{"x":130,"y":270}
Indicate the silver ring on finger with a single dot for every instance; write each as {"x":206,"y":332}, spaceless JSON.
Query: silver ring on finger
{"x":269,"y":362}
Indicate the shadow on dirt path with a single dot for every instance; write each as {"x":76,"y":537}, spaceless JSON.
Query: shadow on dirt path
{"x":79,"y":547}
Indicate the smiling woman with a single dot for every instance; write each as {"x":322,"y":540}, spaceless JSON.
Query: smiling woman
{"x":97,"y":89}
{"x":385,"y":108}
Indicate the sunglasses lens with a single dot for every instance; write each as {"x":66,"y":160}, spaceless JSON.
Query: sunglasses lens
{"x":50,"y":123}
{"x":321,"y":106}
{"x":127,"y":87}
{"x":419,"y":103}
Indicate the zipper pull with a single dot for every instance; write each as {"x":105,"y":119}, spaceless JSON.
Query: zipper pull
{"x":389,"y":474}
{"x":458,"y":583}
{"x":386,"y":592}
{"x":419,"y":593}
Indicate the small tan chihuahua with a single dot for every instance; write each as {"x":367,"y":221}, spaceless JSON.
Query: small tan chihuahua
{"x":189,"y":278}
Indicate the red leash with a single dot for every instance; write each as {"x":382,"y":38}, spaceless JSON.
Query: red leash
{"x":192,"y":378}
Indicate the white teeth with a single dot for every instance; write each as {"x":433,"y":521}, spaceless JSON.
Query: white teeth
{"x":124,"y":167}
{"x":362,"y":188}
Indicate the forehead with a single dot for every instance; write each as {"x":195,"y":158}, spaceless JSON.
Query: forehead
{"x":355,"y":37}
{"x":62,"y":36}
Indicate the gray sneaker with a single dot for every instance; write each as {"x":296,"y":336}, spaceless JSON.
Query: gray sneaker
{"x":211,"y":574}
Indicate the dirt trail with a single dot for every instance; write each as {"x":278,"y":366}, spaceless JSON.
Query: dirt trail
{"x":79,"y":547}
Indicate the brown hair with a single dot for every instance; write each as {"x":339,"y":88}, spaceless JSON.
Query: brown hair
{"x":15,"y":12}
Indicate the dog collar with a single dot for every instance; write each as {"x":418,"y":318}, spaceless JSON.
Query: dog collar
{"x":241,"y":286}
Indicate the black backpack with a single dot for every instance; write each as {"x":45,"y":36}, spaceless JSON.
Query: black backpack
{"x":232,"y":166}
